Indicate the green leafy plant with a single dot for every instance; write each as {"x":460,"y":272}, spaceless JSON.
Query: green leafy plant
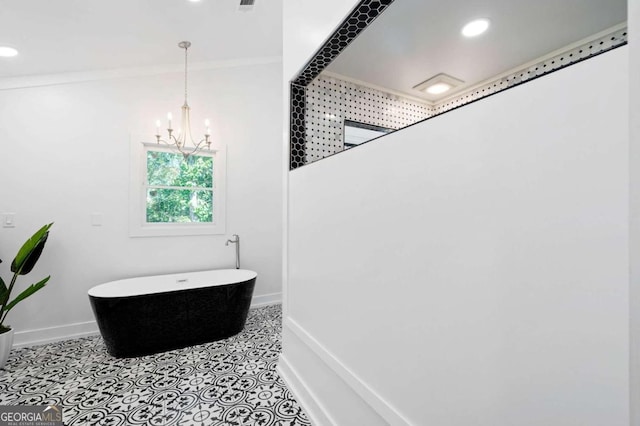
{"x":180,"y":190}
{"x":23,"y":263}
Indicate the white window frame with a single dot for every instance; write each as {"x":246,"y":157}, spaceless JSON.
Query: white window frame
{"x":138,"y":225}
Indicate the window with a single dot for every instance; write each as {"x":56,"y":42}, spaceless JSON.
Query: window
{"x":179,"y":189}
{"x":173,"y":195}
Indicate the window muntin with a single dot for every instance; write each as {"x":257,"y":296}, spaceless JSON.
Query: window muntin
{"x":178,"y":189}
{"x":167,"y":199}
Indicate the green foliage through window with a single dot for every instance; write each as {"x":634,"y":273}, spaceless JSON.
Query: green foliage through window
{"x":179,"y":190}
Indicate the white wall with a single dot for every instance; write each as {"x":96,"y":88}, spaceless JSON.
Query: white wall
{"x":475,"y":268}
{"x":65,"y":154}
{"x":634,"y":139}
{"x":305,"y":25}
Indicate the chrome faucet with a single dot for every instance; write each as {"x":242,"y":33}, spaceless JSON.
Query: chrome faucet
{"x":236,"y":241}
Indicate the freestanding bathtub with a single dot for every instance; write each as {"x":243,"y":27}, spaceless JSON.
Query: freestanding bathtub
{"x":147,"y":315}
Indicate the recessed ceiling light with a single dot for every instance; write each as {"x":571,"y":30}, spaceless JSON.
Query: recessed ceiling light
{"x":7,"y":52}
{"x":194,"y":1}
{"x":438,"y":88}
{"x":437,"y":85}
{"x":475,"y":28}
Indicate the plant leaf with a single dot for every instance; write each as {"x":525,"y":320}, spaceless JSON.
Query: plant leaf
{"x":3,"y":289}
{"x":30,"y":251}
{"x":27,"y":292}
{"x":33,"y":257}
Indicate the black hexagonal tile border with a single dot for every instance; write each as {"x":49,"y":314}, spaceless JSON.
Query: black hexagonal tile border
{"x":297,"y":154}
{"x":360,"y":17}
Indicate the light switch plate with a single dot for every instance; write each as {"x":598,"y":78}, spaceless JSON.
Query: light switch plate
{"x":8,"y":220}
{"x":96,"y":219}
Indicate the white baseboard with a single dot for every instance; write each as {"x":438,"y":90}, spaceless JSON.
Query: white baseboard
{"x":54,"y":334}
{"x":266,"y":299}
{"x":304,"y":396}
{"x":382,"y":407}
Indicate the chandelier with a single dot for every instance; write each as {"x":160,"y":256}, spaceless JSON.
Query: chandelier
{"x":181,"y":139}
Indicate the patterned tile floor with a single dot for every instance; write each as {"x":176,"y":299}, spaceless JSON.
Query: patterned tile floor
{"x":229,"y":382}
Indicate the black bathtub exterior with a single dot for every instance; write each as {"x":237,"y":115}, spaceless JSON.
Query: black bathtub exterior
{"x":150,"y":323}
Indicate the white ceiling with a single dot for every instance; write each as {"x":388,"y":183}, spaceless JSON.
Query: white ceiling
{"x":55,"y":36}
{"x":413,"y":40}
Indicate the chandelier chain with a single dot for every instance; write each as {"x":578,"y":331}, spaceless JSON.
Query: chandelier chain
{"x":186,"y":49}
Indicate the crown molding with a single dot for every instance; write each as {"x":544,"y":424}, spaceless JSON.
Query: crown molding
{"x":335,"y":75}
{"x":9,"y":83}
{"x":539,"y":60}
{"x":462,"y":91}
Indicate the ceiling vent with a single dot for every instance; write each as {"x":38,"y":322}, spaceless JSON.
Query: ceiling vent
{"x":246,"y":5}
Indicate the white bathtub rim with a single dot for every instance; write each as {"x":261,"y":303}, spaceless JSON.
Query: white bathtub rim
{"x":156,"y":284}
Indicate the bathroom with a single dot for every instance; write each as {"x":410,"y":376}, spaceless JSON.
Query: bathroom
{"x":82,"y":125}
{"x":351,"y":284}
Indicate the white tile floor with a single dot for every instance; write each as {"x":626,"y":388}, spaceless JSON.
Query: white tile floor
{"x":229,"y":382}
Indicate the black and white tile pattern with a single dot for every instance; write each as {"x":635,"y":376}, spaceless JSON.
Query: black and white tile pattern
{"x":314,"y":134}
{"x":330,"y":101}
{"x":561,"y":60}
{"x":229,"y":382}
{"x":365,"y":12}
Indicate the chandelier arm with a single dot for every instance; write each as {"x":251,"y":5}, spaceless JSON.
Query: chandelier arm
{"x":205,"y":141}
{"x":175,"y":142}
{"x":197,"y":147}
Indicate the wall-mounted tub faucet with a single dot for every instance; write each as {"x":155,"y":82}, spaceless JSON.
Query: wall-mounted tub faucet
{"x":235,"y":241}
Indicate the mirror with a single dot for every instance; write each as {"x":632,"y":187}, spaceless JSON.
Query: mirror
{"x":391,"y":64}
{"x":356,"y":133}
